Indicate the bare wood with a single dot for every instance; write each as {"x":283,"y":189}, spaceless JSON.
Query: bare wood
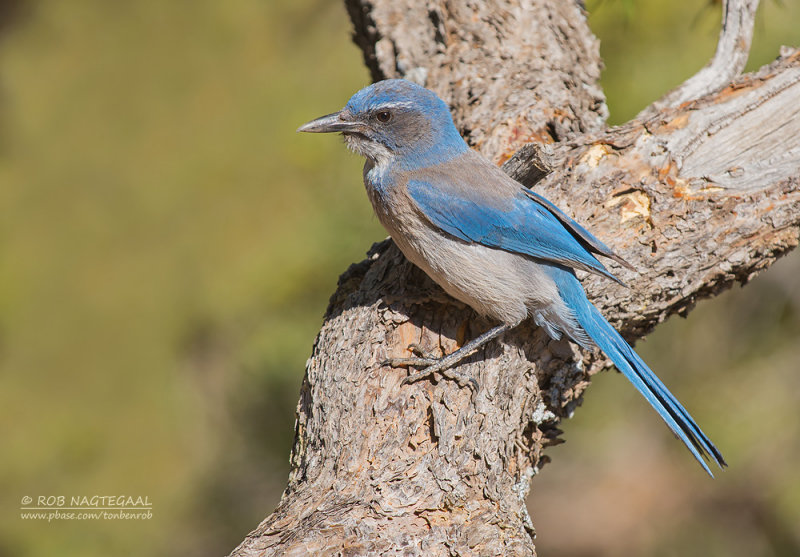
{"x":697,"y":197}
{"x":733,"y":48}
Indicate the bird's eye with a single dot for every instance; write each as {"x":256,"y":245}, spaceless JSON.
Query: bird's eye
{"x":383,"y":116}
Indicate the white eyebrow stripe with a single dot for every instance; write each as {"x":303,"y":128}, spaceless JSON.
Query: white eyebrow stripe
{"x":394,"y":104}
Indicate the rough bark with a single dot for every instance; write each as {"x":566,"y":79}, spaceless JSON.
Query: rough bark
{"x":512,"y":71}
{"x":696,"y":196}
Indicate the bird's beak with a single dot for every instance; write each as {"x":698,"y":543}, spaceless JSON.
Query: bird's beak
{"x":331,"y":123}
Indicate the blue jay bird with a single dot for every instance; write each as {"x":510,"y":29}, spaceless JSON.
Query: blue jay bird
{"x":497,"y":246}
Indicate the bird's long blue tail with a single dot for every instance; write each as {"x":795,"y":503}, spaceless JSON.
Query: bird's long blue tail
{"x":633,"y":367}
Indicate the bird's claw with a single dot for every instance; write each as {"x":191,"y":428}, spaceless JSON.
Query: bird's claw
{"x":417,"y":350}
{"x":409,"y":362}
{"x":421,"y":359}
{"x":429,"y":366}
{"x":462,"y":380}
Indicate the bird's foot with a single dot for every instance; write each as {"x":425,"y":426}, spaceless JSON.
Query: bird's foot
{"x":422,"y":360}
{"x":449,"y":373}
{"x":409,"y":362}
{"x":431,"y":365}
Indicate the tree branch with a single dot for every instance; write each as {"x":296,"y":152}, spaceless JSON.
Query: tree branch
{"x":697,"y":196}
{"x":730,"y":58}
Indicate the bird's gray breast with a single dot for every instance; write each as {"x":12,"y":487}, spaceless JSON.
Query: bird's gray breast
{"x":493,"y":282}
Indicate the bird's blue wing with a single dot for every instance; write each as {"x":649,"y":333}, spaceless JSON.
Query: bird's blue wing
{"x":515,"y":223}
{"x":583,"y":235}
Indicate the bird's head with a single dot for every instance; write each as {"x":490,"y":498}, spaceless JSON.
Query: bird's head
{"x":395,"y":121}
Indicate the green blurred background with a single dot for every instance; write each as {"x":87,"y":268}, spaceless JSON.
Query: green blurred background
{"x":168,"y":245}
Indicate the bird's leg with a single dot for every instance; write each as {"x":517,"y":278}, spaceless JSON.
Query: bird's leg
{"x":443,"y":365}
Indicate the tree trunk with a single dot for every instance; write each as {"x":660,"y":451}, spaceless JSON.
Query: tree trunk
{"x":695,"y":196}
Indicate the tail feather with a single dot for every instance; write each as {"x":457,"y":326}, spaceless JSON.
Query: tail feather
{"x":633,"y":367}
{"x":650,"y":386}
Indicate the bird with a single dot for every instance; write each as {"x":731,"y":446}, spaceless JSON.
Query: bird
{"x":487,"y":240}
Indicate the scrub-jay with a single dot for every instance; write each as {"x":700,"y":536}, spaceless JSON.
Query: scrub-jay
{"x":497,"y":246}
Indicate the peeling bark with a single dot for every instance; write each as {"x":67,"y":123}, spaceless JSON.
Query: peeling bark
{"x":696,"y":196}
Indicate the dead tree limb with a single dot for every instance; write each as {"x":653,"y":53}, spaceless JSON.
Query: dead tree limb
{"x":733,"y":48}
{"x":697,"y":196}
